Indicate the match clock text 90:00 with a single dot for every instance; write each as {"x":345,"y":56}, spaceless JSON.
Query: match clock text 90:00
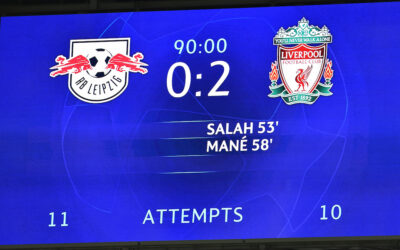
{"x":208,"y":46}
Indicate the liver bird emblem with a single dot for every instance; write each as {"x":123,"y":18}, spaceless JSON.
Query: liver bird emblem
{"x":302,"y":76}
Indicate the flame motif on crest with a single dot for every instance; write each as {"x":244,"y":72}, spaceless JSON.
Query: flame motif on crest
{"x":273,"y":75}
{"x":328,"y":71}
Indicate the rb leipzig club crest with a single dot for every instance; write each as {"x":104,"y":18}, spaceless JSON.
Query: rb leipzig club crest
{"x":98,"y":69}
{"x":301,"y":63}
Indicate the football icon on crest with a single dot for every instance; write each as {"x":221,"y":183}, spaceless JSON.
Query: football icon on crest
{"x":98,"y":68}
{"x":301,"y":64}
{"x":98,"y":60}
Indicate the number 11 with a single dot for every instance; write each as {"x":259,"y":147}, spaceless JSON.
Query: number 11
{"x":64,"y":224}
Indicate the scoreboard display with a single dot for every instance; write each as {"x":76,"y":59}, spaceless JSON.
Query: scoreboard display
{"x":218,"y":124}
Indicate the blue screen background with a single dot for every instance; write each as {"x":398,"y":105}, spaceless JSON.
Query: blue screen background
{"x":106,"y":165}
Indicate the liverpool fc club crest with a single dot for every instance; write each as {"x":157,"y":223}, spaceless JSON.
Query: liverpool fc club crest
{"x":302,"y":61}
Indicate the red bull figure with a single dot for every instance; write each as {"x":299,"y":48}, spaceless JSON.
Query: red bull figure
{"x":73,"y":65}
{"x":123,"y":63}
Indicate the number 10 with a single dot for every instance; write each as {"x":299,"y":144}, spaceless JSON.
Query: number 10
{"x":336,"y":212}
